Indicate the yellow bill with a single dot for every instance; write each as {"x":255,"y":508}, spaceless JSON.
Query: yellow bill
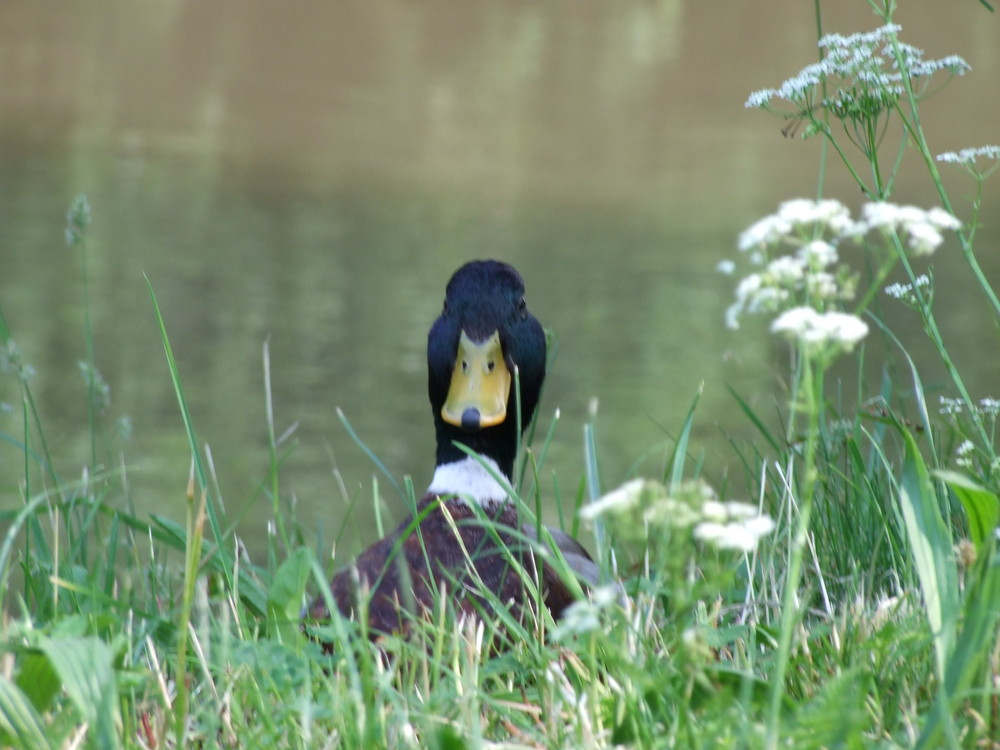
{"x":480,"y":385}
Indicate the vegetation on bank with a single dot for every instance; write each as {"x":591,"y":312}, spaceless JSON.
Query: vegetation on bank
{"x":847,"y":595}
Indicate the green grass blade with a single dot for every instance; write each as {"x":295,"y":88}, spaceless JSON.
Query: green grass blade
{"x":757,"y":421}
{"x":199,"y":466}
{"x":369,"y":452}
{"x":918,"y":385}
{"x":44,"y":459}
{"x":593,"y":486}
{"x":194,"y":536}
{"x":11,"y":535}
{"x":680,"y":450}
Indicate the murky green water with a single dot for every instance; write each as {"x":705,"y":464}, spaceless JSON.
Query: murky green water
{"x":310,"y":177}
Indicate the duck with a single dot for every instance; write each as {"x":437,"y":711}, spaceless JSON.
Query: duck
{"x":486,"y":364}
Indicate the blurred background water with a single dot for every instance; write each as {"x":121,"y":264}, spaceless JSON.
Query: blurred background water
{"x":309,"y":175}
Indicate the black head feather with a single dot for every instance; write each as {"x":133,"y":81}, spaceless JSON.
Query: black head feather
{"x":484,"y":297}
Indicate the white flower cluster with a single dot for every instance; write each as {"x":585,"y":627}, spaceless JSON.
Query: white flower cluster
{"x":642,"y":501}
{"x":913,"y":60}
{"x":821,"y":331}
{"x":906,"y":293}
{"x":584,"y":615}
{"x":797,"y":217}
{"x":733,"y":525}
{"x":963,"y":454}
{"x":867,"y":69}
{"x":950,"y":405}
{"x":921,"y":228}
{"x":988,"y":406}
{"x":693,"y":505}
{"x":968,"y":156}
{"x":812,"y":275}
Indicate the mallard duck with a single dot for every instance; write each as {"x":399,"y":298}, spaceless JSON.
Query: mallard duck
{"x":484,"y":342}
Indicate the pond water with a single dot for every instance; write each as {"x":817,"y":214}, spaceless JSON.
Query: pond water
{"x":310,"y":176}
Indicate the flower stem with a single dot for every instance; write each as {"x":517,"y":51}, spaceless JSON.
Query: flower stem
{"x":811,"y":383}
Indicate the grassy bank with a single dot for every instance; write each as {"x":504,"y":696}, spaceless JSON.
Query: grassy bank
{"x":843,"y":590}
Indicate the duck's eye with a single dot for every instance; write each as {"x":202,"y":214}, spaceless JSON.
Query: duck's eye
{"x":491,"y":366}
{"x":522,"y":307}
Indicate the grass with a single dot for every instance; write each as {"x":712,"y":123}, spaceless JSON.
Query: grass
{"x":868,"y":618}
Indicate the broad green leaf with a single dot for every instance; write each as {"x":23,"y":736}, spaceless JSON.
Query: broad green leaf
{"x":20,"y":724}
{"x":284,"y":597}
{"x":970,"y":659}
{"x":931,"y":545}
{"x":38,"y":680}
{"x":85,"y":666}
{"x":982,"y":507}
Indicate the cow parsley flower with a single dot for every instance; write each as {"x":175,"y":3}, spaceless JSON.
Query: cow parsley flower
{"x":726,"y":267}
{"x":950,"y":406}
{"x":818,"y":254}
{"x":905,"y":292}
{"x":801,"y":219}
{"x":584,"y":615}
{"x":921,"y":230}
{"x":989,"y":406}
{"x":832,"y":330}
{"x":646,"y":509}
{"x":859,"y":80}
{"x":823,"y":286}
{"x":969,"y":156}
{"x":755,"y":293}
{"x":640,"y":503}
{"x":954,"y":64}
{"x":812,"y":229}
{"x":964,"y":453}
{"x":786,"y":270}
{"x":767,"y":231}
{"x":898,"y":291}
{"x":618,"y":501}
{"x":809,"y":214}
{"x":797,"y":256}
{"x":732,"y":525}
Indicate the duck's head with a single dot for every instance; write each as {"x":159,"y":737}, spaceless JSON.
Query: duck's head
{"x":484,"y":336}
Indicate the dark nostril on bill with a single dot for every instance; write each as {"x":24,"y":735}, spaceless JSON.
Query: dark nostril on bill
{"x":470,"y":420}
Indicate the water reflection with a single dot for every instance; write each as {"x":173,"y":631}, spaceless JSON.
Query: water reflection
{"x":311,"y":179}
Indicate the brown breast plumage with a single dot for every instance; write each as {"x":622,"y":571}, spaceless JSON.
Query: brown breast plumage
{"x":449,"y":547}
